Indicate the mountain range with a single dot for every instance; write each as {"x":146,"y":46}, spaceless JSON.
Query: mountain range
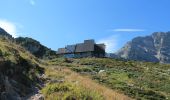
{"x":153,"y":48}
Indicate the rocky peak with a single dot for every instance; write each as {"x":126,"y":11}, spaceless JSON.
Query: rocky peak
{"x":153,"y":48}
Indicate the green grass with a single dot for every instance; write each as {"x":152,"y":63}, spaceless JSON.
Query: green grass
{"x":139,"y":80}
{"x":69,"y":91}
{"x":20,"y":67}
{"x":64,"y":89}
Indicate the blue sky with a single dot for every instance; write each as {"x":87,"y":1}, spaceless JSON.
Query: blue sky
{"x":56,"y":23}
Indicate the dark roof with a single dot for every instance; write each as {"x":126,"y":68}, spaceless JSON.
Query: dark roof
{"x":84,"y":47}
{"x":88,"y":45}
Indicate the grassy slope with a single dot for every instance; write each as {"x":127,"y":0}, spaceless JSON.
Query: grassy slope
{"x":36,"y":48}
{"x":18,"y":68}
{"x":65,"y":84}
{"x":139,"y":80}
{"x":23,"y":71}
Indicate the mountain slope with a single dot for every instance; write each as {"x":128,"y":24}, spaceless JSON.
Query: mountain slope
{"x":3,"y":33}
{"x":35,"y":47}
{"x":153,"y":48}
{"x":138,"y":80}
{"x":88,"y":87}
{"x":19,"y":71}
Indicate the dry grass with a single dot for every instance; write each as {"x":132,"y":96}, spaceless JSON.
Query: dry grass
{"x":87,"y":83}
{"x":92,"y":85}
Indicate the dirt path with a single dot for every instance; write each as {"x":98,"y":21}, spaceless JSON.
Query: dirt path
{"x":36,"y":95}
{"x":86,"y":82}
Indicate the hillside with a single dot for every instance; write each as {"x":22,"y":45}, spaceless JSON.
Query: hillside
{"x":24,"y":76}
{"x":31,"y":45}
{"x":35,"y":48}
{"x":65,"y":84}
{"x":153,"y":48}
{"x":19,"y":71}
{"x":4,"y":33}
{"x":138,"y":80}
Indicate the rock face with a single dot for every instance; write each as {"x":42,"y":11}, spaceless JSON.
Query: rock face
{"x":35,"y":47}
{"x":154,"y":48}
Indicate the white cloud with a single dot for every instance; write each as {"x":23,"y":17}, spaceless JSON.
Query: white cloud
{"x":110,"y":42}
{"x":8,"y":26}
{"x":32,"y":2}
{"x":127,"y":30}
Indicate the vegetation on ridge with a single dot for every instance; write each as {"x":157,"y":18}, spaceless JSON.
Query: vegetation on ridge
{"x":35,"y":48}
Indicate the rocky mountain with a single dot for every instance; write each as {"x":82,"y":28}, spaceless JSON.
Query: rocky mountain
{"x":20,"y":71}
{"x":35,"y":47}
{"x":153,"y":48}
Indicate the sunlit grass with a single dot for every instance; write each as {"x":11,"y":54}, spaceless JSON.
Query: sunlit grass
{"x":139,"y":80}
{"x":77,"y":86}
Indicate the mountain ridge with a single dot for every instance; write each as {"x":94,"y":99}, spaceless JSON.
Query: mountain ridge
{"x":31,"y":45}
{"x":36,"y":48}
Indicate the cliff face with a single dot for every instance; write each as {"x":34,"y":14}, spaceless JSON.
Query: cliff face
{"x":153,"y":48}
